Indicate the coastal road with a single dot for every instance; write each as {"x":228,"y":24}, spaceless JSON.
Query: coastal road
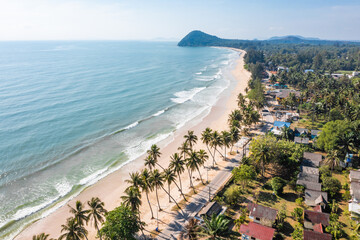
{"x":174,"y":228}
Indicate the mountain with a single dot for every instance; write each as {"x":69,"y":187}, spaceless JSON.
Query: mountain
{"x":293,"y":37}
{"x":200,"y":39}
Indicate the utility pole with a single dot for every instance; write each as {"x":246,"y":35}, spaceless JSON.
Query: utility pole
{"x":209,"y":194}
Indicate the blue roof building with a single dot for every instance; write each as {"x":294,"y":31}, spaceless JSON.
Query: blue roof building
{"x":281,"y":124}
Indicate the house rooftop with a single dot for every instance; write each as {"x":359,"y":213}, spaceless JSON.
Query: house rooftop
{"x":302,"y":140}
{"x":309,"y":185}
{"x":301,"y":130}
{"x":262,"y":212}
{"x":315,"y":132}
{"x":312,"y":235}
{"x":313,"y":198}
{"x":354,"y":176}
{"x":317,"y":217}
{"x":355,"y":190}
{"x":311,"y":159}
{"x":257,"y":231}
{"x":309,"y":170}
{"x":281,"y":124}
{"x":308,"y":177}
{"x":210,"y":208}
{"x":284,"y":93}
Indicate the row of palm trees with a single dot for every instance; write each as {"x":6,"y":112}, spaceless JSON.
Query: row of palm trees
{"x":74,"y":228}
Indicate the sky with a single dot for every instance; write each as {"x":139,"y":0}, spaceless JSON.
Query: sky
{"x":173,"y":19}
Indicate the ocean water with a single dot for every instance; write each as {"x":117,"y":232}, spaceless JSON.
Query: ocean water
{"x":72,"y":112}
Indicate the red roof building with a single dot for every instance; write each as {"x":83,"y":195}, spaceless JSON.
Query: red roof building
{"x":311,"y":235}
{"x":257,"y":231}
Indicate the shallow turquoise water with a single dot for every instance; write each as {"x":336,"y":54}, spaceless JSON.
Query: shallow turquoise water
{"x":71,"y":112}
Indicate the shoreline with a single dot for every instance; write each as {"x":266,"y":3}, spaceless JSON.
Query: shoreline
{"x":111,"y":187}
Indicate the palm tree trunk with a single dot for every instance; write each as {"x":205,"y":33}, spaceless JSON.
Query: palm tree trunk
{"x":214,"y":157}
{"x":191,"y":183}
{"x":180,"y":182}
{"x":180,"y":189}
{"x":160,"y":166}
{"x":173,"y":200}
{"x":200,"y":175}
{"x":207,"y":145}
{"x":157,"y":198}
{"x":225,"y":153}
{"x":169,"y":192}
{"x":97,"y":227}
{"x":152,"y":214}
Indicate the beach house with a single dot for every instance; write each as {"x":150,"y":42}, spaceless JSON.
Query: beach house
{"x":261,"y":214}
{"x":256,"y":231}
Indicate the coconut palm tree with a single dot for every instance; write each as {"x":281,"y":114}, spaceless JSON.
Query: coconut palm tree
{"x":158,"y":181}
{"x":150,"y":162}
{"x":132,"y":198}
{"x":235,"y":136}
{"x":135,"y":180}
{"x":184,"y":150}
{"x":226,"y":140}
{"x":147,"y":186}
{"x":203,"y":157}
{"x":169,"y":177}
{"x":96,"y":212}
{"x":80,"y":214}
{"x":216,"y":227}
{"x":191,"y":139}
{"x":41,"y":236}
{"x":206,"y":137}
{"x":235,"y":118}
{"x":241,"y":100}
{"x":177,"y":165}
{"x":72,"y":230}
{"x":191,"y":230}
{"x":333,"y":159}
{"x":192,"y":163}
{"x":262,"y":155}
{"x":155,"y":153}
{"x":216,"y":142}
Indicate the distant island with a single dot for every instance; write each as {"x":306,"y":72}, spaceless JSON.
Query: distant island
{"x":200,"y":39}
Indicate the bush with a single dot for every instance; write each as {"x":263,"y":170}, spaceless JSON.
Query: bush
{"x":346,"y":195}
{"x":325,"y":171}
{"x":244,"y":174}
{"x":299,"y":201}
{"x":232,"y":194}
{"x":278,"y":185}
{"x":331,"y":185}
{"x":298,"y":214}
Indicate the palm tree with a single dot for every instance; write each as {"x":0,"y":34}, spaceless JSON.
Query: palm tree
{"x":169,"y":177}
{"x":132,"y":198}
{"x":193,"y":163}
{"x":184,"y":150}
{"x":235,"y":136}
{"x":235,"y":118}
{"x":262,"y":155}
{"x":203,"y":157}
{"x":147,"y":186}
{"x":135,"y":180}
{"x":158,"y":181}
{"x":72,"y":230}
{"x":216,"y":141}
{"x":333,"y":159}
{"x":206,"y":137}
{"x":226,"y":140}
{"x":191,"y":139}
{"x":241,"y":100}
{"x":96,"y":212}
{"x":191,"y":230}
{"x":155,"y":153}
{"x":150,"y":162}
{"x":80,"y":215}
{"x":177,"y":165}
{"x":41,"y":236}
{"x":216,"y":227}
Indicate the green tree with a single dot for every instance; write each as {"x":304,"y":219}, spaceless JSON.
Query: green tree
{"x":41,"y":236}
{"x":298,"y":233}
{"x":332,"y":133}
{"x":135,"y":180}
{"x":72,"y":230}
{"x":216,"y":141}
{"x":216,"y":227}
{"x":155,"y":153}
{"x":96,"y":212}
{"x":191,"y":230}
{"x":121,"y":223}
{"x":244,"y":174}
{"x":206,"y":137}
{"x":132,"y":198}
{"x":278,"y":185}
{"x":80,"y":214}
{"x":298,"y":214}
{"x":193,"y":162}
{"x":226,"y":140}
{"x":147,"y":186}
{"x":235,"y":136}
{"x":261,"y":152}
{"x":177,"y":164}
{"x":150,"y":162}
{"x":331,"y":185}
{"x":169,"y":177}
{"x":191,"y":139}
{"x":232,"y":194}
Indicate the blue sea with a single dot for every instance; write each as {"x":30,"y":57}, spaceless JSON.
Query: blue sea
{"x":72,"y":112}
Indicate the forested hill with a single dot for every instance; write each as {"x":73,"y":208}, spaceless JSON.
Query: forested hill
{"x":201,"y":39}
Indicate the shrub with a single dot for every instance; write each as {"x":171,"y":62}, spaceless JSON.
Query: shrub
{"x":331,"y":185}
{"x":299,"y":201}
{"x":346,"y":195}
{"x":244,"y":174}
{"x":278,"y":185}
{"x":325,"y":171}
{"x":232,"y":194}
{"x":298,"y":214}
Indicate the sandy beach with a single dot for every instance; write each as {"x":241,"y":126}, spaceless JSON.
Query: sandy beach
{"x":110,"y":188}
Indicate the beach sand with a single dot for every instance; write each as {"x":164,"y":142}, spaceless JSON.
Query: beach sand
{"x":110,"y":188}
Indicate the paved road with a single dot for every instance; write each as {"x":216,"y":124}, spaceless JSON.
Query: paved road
{"x":174,"y":228}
